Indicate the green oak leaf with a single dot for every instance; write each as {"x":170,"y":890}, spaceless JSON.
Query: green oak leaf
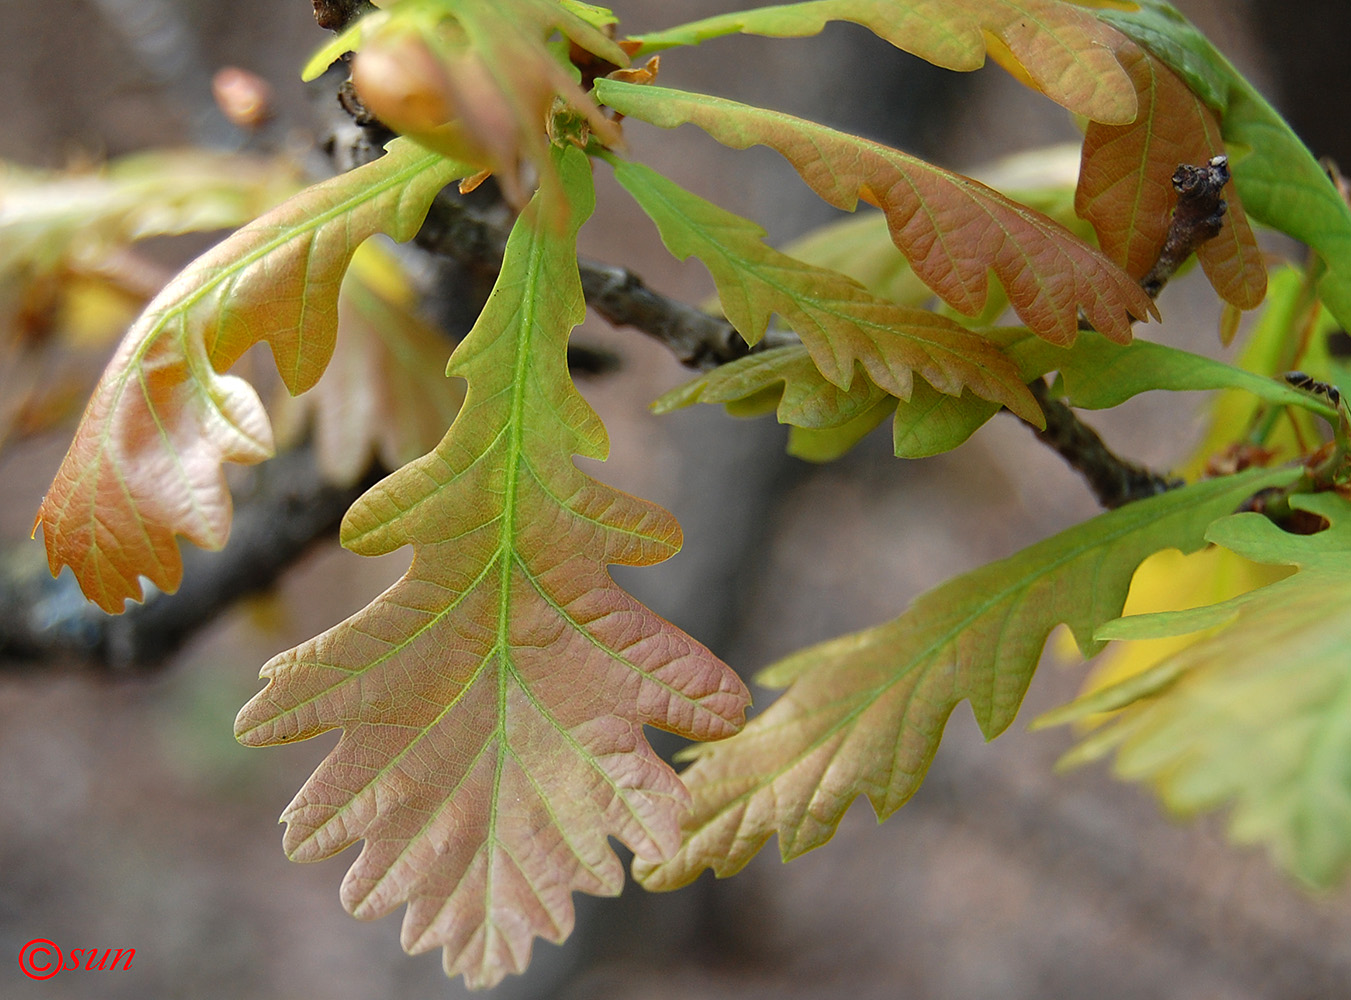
{"x":863,"y":714}
{"x":1257,"y":715}
{"x":843,"y":326}
{"x":1093,"y":374}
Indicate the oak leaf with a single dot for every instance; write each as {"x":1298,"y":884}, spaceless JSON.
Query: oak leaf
{"x":145,"y":464}
{"x":1058,"y":48}
{"x":492,"y":701}
{"x":1279,"y":180}
{"x":952,"y":229}
{"x":384,"y":394}
{"x":1125,"y":184}
{"x":843,"y":326}
{"x":863,"y":714}
{"x":1256,"y":715}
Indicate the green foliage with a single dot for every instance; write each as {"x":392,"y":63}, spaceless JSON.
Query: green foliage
{"x":492,"y":701}
{"x":841,"y":324}
{"x":1256,"y":715}
{"x":863,"y":713}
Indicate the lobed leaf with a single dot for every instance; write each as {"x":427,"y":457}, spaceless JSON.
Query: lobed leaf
{"x":1279,"y":180}
{"x":492,"y":701}
{"x":952,"y":229}
{"x":861,"y":247}
{"x":384,"y":394}
{"x":145,"y":464}
{"x":1058,"y":48}
{"x":825,"y":421}
{"x":841,"y":324}
{"x":480,"y":82}
{"x":1093,"y":374}
{"x":864,"y":713}
{"x":1125,"y":185}
{"x":1256,"y":716}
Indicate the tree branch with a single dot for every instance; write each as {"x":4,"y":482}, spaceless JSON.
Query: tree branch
{"x":1113,"y":480}
{"x":45,"y":622}
{"x":1198,"y":217}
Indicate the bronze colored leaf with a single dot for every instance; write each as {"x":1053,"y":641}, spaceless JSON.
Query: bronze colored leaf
{"x":145,"y":464}
{"x":952,"y":229}
{"x":1125,"y":184}
{"x":493,"y":700}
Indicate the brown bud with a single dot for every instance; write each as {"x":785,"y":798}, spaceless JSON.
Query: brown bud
{"x":402,"y":82}
{"x":244,"y":98}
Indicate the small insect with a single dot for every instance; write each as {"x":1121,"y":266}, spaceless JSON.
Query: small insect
{"x":1302,"y":380}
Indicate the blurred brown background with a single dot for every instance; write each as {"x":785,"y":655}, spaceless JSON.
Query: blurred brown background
{"x":129,"y":817}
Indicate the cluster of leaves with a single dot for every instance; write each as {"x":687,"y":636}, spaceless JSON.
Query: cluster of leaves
{"x":492,"y":701}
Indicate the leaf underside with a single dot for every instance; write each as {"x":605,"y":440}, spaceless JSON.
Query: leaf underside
{"x":1256,"y":716}
{"x":1125,"y":185}
{"x":842,"y":325}
{"x":1278,"y":178}
{"x":953,"y":230}
{"x":492,"y":701}
{"x":145,"y":464}
{"x":864,"y":713}
{"x":1058,"y":48}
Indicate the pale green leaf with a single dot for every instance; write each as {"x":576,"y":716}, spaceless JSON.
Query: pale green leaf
{"x":1059,"y":48}
{"x":843,"y":326}
{"x":1256,"y":716}
{"x":864,"y":713}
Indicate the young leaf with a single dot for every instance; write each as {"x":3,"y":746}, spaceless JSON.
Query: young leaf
{"x":1125,"y":185}
{"x":953,"y":230}
{"x":1279,"y":180}
{"x":145,"y":464}
{"x":826,"y":422}
{"x":477,"y":81}
{"x":69,"y":281}
{"x":492,"y":701}
{"x":1055,"y":47}
{"x":865,"y":712}
{"x":384,"y":394}
{"x":1258,"y":715}
{"x":841,"y":324}
{"x":860,"y":246}
{"x":1094,"y":374}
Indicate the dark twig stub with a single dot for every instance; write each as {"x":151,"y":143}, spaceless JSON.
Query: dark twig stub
{"x":1199,"y":217}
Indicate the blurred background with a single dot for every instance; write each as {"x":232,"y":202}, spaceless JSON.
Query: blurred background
{"x":130,"y":818}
